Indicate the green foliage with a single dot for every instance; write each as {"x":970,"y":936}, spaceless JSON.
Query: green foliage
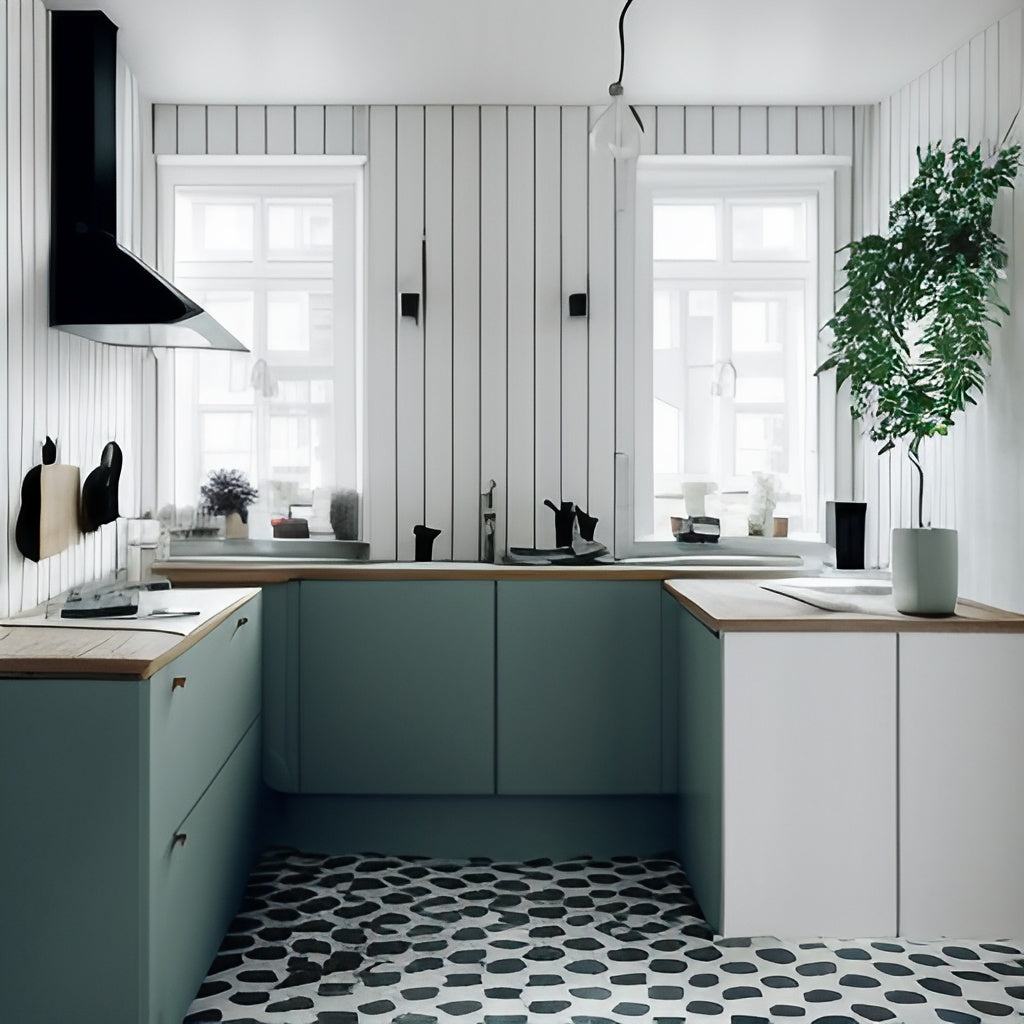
{"x":912,"y":335}
{"x":227,"y":491}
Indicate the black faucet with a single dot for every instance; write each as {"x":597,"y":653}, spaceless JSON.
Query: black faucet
{"x":563,"y":522}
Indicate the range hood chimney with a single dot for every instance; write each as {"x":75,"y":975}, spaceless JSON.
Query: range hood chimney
{"x":98,"y":288}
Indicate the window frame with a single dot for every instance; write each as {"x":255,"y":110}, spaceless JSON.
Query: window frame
{"x":334,"y":176}
{"x":827,"y":178}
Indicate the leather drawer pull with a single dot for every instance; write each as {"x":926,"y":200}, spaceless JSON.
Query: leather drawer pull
{"x":239,"y":624}
{"x":179,"y":839}
{"x":178,"y":682}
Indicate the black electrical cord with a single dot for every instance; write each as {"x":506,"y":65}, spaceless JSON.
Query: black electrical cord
{"x":615,"y":89}
{"x":622,"y":50}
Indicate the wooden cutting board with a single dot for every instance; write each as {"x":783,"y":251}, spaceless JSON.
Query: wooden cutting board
{"x":58,"y":508}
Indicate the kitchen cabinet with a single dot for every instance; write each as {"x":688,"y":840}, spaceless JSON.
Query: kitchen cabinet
{"x":579,"y":687}
{"x":961,"y":765}
{"x":130,"y":809}
{"x":787,"y":790}
{"x":848,"y":773}
{"x":396,"y":687}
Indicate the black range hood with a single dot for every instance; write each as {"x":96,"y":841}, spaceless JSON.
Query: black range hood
{"x":98,"y":288}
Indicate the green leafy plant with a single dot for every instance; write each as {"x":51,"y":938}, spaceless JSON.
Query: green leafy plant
{"x":227,"y":491}
{"x":912,"y":335}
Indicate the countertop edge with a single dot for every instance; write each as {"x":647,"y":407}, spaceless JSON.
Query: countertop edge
{"x":124,"y":668}
{"x":186,"y":573}
{"x":815,"y":620}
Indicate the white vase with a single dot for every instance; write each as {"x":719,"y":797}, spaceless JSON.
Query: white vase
{"x":234,"y":528}
{"x":924,"y":571}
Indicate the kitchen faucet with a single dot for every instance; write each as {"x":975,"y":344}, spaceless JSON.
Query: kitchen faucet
{"x":488,"y":523}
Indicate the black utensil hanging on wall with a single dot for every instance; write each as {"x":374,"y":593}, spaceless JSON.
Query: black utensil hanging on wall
{"x":99,"y":492}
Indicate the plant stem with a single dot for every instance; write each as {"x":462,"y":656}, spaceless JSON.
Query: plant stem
{"x":912,"y":455}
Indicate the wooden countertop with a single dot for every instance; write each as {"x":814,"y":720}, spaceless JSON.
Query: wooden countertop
{"x":256,"y":572}
{"x":116,"y":653}
{"x":744,"y":607}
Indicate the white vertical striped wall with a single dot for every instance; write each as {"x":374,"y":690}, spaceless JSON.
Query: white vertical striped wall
{"x":497,"y":381}
{"x":81,"y":393}
{"x":975,"y":476}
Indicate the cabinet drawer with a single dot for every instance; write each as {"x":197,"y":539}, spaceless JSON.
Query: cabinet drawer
{"x":196,"y":882}
{"x":195,"y":724}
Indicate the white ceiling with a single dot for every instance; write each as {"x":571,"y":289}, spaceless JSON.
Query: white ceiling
{"x":535,"y":51}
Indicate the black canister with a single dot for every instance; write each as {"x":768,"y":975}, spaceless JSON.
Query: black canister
{"x":844,"y":530}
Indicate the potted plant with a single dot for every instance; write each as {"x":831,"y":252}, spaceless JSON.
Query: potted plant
{"x":228,"y":493}
{"x":911,"y":337}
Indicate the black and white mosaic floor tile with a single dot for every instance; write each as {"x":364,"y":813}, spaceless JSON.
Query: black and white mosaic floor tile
{"x":403,"y":940}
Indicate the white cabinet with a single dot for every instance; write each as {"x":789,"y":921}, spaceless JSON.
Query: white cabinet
{"x":787,"y":788}
{"x":961,"y":769}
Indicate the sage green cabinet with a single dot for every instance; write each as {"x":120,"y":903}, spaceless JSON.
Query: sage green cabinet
{"x":579,"y":687}
{"x":129,"y":810}
{"x":396,"y":687}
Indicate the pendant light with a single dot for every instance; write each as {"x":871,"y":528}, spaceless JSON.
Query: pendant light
{"x":624,"y":122}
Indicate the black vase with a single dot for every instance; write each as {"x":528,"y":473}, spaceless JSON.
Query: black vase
{"x":844,"y":530}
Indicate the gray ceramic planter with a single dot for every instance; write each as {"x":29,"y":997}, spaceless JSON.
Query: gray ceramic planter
{"x":924,"y":571}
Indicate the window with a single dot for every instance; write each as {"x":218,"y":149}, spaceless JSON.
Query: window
{"x":273,"y":251}
{"x":733,"y":274}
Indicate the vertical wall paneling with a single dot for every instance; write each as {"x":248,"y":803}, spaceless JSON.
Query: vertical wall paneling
{"x":547,"y":321}
{"x":338,"y":131}
{"x":280,"y":129}
{"x":494,"y":308}
{"x":994,"y":130}
{"x":575,"y":357}
{"x":437,"y":346}
{"x":411,"y":336}
{"x":165,"y":128}
{"x":252,"y":130}
{"x":935,"y":104}
{"x":810,"y":131}
{"x":379,"y":514}
{"x":601,"y":332}
{"x":649,"y":136}
{"x":949,"y":99}
{"x":221,"y":129}
{"x":191,"y":128}
{"x":753,"y":131}
{"x":360,"y":130}
{"x":699,"y":131}
{"x":841,"y":123}
{"x":726,"y":131}
{"x":976,"y":90}
{"x":781,"y":130}
{"x":962,"y":71}
{"x":466,"y":288}
{"x":309,"y":130}
{"x":520,"y":503}
{"x":671,"y":130}
{"x":18,"y":450}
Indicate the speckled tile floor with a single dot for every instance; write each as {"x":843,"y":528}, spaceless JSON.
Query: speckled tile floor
{"x":403,"y":940}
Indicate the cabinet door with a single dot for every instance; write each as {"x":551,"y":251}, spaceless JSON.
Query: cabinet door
{"x":196,"y":883}
{"x":579,"y":687}
{"x":961,"y":766}
{"x":809,"y":802}
{"x":200,"y":706}
{"x":396,"y":687}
